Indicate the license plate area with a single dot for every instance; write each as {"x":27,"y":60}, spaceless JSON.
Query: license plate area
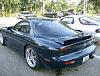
{"x":85,"y":59}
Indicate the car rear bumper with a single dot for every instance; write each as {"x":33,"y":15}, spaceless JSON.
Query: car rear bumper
{"x":72,"y":59}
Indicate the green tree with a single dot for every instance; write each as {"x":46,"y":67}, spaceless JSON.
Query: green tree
{"x":96,"y":4}
{"x":57,"y":6}
{"x":12,"y":6}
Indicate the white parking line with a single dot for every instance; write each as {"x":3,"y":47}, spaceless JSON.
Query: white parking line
{"x":96,"y":56}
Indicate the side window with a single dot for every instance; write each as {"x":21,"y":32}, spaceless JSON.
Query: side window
{"x":68,"y":20}
{"x":22,"y":27}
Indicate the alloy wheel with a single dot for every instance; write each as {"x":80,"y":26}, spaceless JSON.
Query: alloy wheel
{"x":31,"y":57}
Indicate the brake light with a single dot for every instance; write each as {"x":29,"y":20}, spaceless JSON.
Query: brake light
{"x":69,"y":62}
{"x":63,"y":49}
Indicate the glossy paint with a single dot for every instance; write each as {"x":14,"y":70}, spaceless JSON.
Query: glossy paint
{"x":48,"y":48}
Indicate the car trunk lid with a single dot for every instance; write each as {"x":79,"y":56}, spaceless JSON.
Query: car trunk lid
{"x":74,"y":44}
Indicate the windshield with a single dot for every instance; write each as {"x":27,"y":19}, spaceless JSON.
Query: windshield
{"x":53,"y":29}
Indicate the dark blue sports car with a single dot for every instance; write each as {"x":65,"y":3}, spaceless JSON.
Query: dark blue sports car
{"x":50,"y":42}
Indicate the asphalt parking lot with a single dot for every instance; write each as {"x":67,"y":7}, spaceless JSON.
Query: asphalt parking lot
{"x":13,"y":64}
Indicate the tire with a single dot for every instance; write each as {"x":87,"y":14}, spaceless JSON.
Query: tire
{"x":2,"y":41}
{"x":32,"y":58}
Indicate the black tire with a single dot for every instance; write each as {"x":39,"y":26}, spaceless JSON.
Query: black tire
{"x":32,"y":57}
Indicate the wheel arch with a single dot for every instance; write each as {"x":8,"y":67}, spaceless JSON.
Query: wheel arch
{"x":39,"y":66}
{"x":25,"y":48}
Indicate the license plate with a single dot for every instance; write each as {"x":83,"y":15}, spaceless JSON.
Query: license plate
{"x":85,"y":59}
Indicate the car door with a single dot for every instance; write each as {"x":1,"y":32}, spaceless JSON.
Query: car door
{"x":17,"y":35}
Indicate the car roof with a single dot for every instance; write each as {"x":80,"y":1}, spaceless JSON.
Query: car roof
{"x":42,"y":19}
{"x":75,"y":16}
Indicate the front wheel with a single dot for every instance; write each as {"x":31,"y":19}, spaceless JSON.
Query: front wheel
{"x":32,"y":57}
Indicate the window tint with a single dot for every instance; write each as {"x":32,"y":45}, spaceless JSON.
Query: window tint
{"x":53,"y":29}
{"x":68,"y":20}
{"x":87,"y":21}
{"x":23,"y":27}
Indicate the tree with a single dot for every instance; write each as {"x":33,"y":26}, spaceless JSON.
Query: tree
{"x":96,"y":4}
{"x":13,"y":6}
{"x":57,"y":6}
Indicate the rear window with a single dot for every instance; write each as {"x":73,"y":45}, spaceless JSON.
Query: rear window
{"x":53,"y":29}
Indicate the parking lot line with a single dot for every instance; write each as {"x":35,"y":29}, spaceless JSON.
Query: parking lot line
{"x":96,"y":56}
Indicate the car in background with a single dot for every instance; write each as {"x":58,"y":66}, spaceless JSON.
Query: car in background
{"x":48,"y":42}
{"x":65,"y":13}
{"x":50,"y":13}
{"x":83,"y":23}
{"x":26,"y":14}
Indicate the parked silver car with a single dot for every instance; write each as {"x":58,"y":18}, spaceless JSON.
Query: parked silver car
{"x":83,"y":23}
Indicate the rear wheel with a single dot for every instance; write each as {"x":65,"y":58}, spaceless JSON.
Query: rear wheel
{"x":32,"y":57}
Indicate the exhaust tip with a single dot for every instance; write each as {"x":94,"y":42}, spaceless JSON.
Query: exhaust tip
{"x":92,"y":56}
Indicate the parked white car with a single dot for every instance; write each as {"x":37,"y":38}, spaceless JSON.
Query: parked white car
{"x":83,"y":23}
{"x":26,"y":14}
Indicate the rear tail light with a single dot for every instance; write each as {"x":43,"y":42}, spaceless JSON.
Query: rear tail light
{"x":69,"y":62}
{"x":47,"y":60}
{"x":63,"y":49}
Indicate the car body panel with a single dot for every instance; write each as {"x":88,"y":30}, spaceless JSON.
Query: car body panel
{"x":78,"y":54}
